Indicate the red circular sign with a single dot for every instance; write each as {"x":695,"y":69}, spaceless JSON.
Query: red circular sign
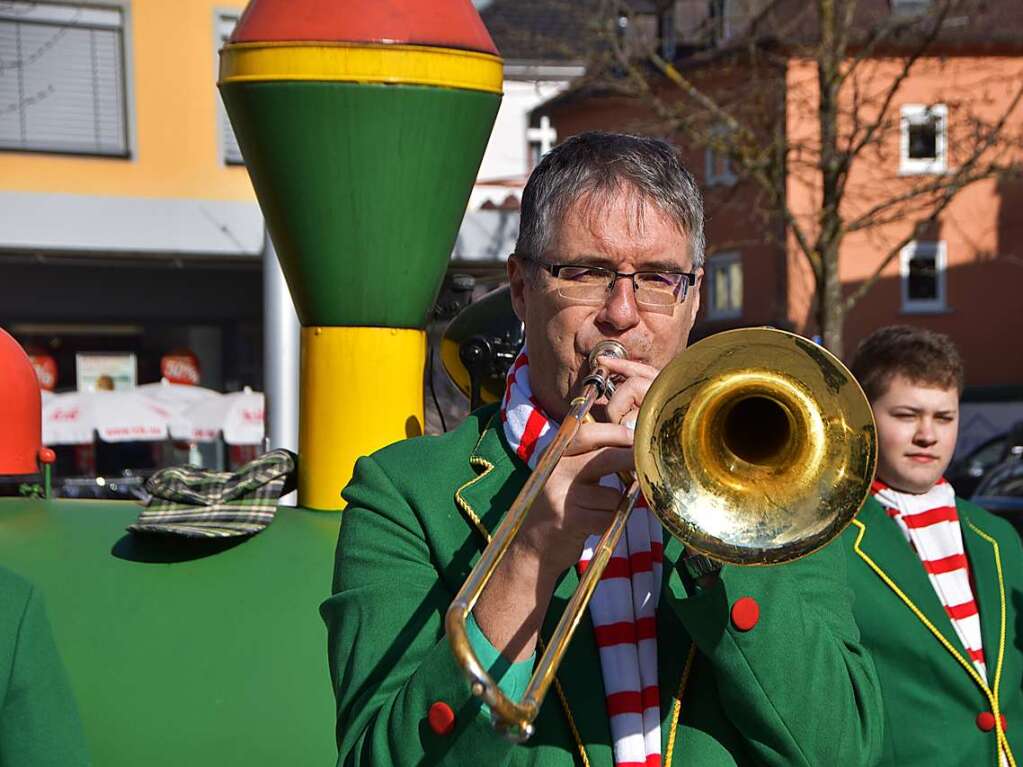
{"x":46,"y":370}
{"x":180,"y":368}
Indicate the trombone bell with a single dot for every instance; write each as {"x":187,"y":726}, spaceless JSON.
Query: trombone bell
{"x":755,"y":446}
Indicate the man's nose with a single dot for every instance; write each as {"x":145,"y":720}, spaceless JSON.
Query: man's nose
{"x":620,"y":309}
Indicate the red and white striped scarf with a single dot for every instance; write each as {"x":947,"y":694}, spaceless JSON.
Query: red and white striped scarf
{"x":624,"y":604}
{"x":931,"y":525}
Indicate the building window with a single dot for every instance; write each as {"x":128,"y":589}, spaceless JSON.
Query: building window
{"x":724,"y":278}
{"x":924,"y":131}
{"x":922,"y":268}
{"x":910,"y":7}
{"x":229,"y":143}
{"x":540,"y":140}
{"x":717,"y":165}
{"x":62,"y":80}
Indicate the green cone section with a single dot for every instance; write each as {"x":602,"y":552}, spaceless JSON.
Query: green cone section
{"x":362,"y":187}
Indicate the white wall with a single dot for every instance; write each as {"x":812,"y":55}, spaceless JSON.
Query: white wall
{"x":507,"y":155}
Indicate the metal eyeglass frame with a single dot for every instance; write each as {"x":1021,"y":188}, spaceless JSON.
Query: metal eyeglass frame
{"x":681,"y":290}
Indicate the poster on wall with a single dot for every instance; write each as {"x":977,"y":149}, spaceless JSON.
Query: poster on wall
{"x":99,"y":371}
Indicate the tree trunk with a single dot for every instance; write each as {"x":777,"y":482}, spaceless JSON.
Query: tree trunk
{"x":830,"y":308}
{"x":830,"y":313}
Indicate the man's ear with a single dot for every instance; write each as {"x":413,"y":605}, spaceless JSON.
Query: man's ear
{"x":517,"y":279}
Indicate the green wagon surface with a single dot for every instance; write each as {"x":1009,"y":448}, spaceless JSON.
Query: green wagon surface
{"x":184,"y":652}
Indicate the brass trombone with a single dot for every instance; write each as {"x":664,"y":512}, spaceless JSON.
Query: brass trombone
{"x":753,"y":447}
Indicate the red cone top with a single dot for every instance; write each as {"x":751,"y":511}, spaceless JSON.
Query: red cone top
{"x":442,"y":23}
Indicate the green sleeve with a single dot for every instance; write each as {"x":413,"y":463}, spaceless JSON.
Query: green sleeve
{"x":389,"y":657}
{"x":39,"y":724}
{"x":512,"y":678}
{"x":798,"y":687}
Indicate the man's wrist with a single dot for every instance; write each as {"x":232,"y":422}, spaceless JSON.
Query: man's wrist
{"x":531,"y":567}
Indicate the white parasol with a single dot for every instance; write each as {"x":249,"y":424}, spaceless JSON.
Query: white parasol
{"x":238,"y":415}
{"x":176,"y":398}
{"x":118,"y":416}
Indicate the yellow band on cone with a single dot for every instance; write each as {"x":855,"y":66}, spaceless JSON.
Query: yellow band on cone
{"x":352,"y":62}
{"x":361,"y":389}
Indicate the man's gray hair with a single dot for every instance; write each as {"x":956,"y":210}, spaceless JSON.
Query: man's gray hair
{"x":605,"y":165}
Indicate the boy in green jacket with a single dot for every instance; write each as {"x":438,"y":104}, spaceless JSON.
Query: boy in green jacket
{"x":673,"y":663}
{"x":938,"y":581}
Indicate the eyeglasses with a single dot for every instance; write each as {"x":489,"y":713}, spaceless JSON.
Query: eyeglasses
{"x":593,"y":284}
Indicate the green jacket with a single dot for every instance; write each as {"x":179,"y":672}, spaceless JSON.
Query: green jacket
{"x":39,"y":725}
{"x":932,"y":693}
{"x":797,"y":689}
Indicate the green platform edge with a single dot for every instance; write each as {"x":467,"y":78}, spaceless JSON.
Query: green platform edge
{"x":215,"y":660}
{"x":363,"y":188}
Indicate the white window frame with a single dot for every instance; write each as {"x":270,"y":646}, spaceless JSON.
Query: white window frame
{"x":713,"y":178}
{"x":226,"y":140}
{"x":916,"y":113}
{"x":540,"y":139}
{"x":939,"y":303}
{"x":717,"y":264}
{"x":710,"y":163}
{"x":68,"y":12}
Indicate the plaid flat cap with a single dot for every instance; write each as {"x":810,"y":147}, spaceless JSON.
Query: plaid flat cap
{"x":198,"y":503}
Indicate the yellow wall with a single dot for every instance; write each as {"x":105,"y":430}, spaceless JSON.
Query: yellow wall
{"x":170,"y":57}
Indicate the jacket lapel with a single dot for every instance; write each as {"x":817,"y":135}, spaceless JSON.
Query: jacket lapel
{"x":983,"y":554}
{"x":672,"y":654}
{"x":484,"y":501}
{"x":885,"y":549}
{"x":496,"y":480}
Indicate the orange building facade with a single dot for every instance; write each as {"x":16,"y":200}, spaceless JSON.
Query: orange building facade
{"x":963,"y":278}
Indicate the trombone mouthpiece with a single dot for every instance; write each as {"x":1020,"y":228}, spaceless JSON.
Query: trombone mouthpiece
{"x":599,"y":376}
{"x":607,"y":349}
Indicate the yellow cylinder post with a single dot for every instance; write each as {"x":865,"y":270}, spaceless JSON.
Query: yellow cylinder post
{"x":361,"y":388}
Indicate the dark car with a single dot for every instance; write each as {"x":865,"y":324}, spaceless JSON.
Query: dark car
{"x":966,"y":473}
{"x":1001,"y":491}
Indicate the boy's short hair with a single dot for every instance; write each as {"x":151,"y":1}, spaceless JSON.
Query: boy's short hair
{"x":921,"y":356}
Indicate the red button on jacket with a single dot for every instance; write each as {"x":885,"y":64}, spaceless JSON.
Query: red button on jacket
{"x":745,"y":613}
{"x":986,"y":721}
{"x":441,"y":718}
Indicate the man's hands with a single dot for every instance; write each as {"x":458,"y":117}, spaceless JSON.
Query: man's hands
{"x":572,"y":506}
{"x":623,"y":406}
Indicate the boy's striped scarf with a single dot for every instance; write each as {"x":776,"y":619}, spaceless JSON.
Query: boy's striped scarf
{"x":931,"y":525}
{"x":624,"y":604}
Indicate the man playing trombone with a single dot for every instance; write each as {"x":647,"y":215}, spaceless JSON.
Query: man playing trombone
{"x":676,"y":661}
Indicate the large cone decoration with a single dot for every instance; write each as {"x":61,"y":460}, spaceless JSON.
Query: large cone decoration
{"x":363,"y":124}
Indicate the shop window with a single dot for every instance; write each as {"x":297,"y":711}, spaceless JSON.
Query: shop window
{"x":922,"y":269}
{"x":724,"y":278}
{"x":924,"y":132}
{"x":229,"y":143}
{"x":62,"y":78}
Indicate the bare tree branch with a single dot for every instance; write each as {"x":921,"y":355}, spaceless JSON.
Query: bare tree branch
{"x":819,"y":159}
